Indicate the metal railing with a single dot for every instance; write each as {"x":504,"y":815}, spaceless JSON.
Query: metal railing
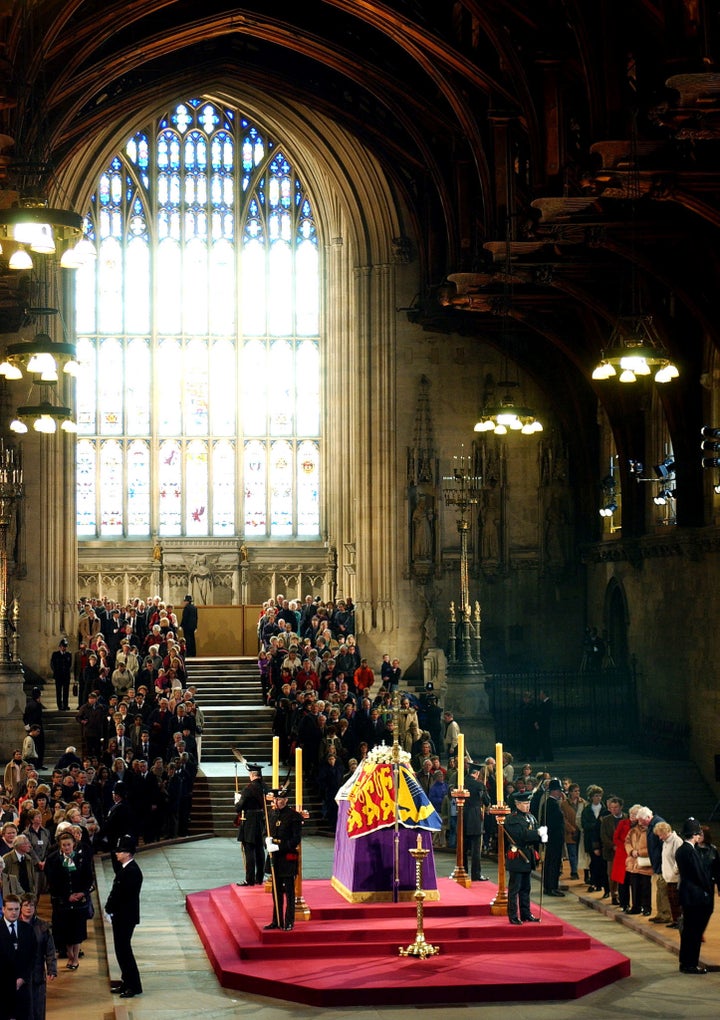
{"x":588,"y":708}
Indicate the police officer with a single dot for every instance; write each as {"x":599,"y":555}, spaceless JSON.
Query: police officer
{"x":522,"y":837}
{"x":283,"y":845}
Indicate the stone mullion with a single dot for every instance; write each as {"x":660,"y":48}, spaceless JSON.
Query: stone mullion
{"x":361,"y":494}
{"x":383,"y":455}
{"x":338,"y":446}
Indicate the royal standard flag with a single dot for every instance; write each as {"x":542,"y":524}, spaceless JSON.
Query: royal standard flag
{"x":371,"y":801}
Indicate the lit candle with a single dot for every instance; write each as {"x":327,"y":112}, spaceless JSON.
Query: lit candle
{"x":461,"y":760}
{"x":499,"y":781}
{"x":298,"y":777}
{"x":276,"y":763}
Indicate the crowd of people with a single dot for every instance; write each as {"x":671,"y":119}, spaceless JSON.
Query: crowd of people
{"x":131,"y":778}
{"x":328,"y":700}
{"x":141,"y":724}
{"x":631,"y":858}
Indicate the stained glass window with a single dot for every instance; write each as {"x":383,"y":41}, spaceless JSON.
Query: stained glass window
{"x":199,"y":335}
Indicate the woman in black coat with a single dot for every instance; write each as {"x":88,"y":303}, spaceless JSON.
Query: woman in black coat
{"x":70,"y":878}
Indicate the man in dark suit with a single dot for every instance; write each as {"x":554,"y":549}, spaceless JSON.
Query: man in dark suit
{"x":552,"y":817}
{"x":123,"y":907}
{"x":17,"y":955}
{"x":145,"y":798}
{"x":188,"y":623}
{"x":696,"y":892}
{"x":473,"y":821}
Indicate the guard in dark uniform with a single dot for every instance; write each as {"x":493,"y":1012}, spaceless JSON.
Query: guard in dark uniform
{"x":61,"y":666}
{"x":251,"y":826}
{"x":522,"y":838}
{"x":283,"y":845}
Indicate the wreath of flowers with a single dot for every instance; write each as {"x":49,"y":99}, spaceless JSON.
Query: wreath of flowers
{"x":384,"y":755}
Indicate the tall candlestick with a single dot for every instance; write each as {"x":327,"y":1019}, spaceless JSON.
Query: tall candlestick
{"x":461,"y":760}
{"x":298,"y":777}
{"x":276,"y":763}
{"x":499,"y":778}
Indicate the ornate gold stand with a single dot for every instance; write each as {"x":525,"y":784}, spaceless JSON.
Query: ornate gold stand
{"x":302,"y":910}
{"x":460,"y":875}
{"x":419,"y":947}
{"x":499,"y":905}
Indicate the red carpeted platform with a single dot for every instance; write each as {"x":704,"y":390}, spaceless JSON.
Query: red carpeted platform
{"x":348,"y":952}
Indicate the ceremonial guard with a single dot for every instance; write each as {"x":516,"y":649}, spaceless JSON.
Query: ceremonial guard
{"x":283,"y":845}
{"x":251,"y":826}
{"x":522,"y":837}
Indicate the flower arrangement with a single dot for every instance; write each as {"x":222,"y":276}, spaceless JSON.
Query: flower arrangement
{"x":384,"y":755}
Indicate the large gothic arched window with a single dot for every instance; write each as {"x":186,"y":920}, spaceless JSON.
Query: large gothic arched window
{"x":198,"y":334}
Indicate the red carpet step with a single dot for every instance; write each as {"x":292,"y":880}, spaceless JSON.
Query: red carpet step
{"x":352,"y":948}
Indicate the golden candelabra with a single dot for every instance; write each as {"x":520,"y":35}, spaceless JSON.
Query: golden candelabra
{"x":459,"y":874}
{"x":419,"y":947}
{"x":498,"y":906}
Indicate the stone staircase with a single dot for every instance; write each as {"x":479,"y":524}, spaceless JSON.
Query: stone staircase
{"x":228,"y":690}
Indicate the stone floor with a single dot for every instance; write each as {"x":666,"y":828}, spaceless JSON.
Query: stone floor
{"x":180,"y":984}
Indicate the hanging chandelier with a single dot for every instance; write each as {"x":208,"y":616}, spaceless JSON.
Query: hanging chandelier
{"x":41,"y":357}
{"x":635,"y":348}
{"x":46,"y":415}
{"x":508,"y":415}
{"x":32,"y":225}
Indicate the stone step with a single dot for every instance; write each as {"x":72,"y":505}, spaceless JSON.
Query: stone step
{"x":214,"y":806}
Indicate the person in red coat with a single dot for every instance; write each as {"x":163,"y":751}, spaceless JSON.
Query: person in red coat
{"x":364,"y":678}
{"x":618,"y":872}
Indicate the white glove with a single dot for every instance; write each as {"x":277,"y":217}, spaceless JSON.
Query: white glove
{"x":237,"y":797}
{"x":542,"y":833}
{"x":270,"y":845}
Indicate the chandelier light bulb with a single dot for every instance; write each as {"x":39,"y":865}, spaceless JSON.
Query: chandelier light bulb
{"x":70,"y":260}
{"x":10,"y":371}
{"x":44,"y":242}
{"x":42,"y":362}
{"x":18,"y":426}
{"x":85,"y":250}
{"x":20,"y":259}
{"x":45,"y":424}
{"x":27,"y":233}
{"x":627,"y":376}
